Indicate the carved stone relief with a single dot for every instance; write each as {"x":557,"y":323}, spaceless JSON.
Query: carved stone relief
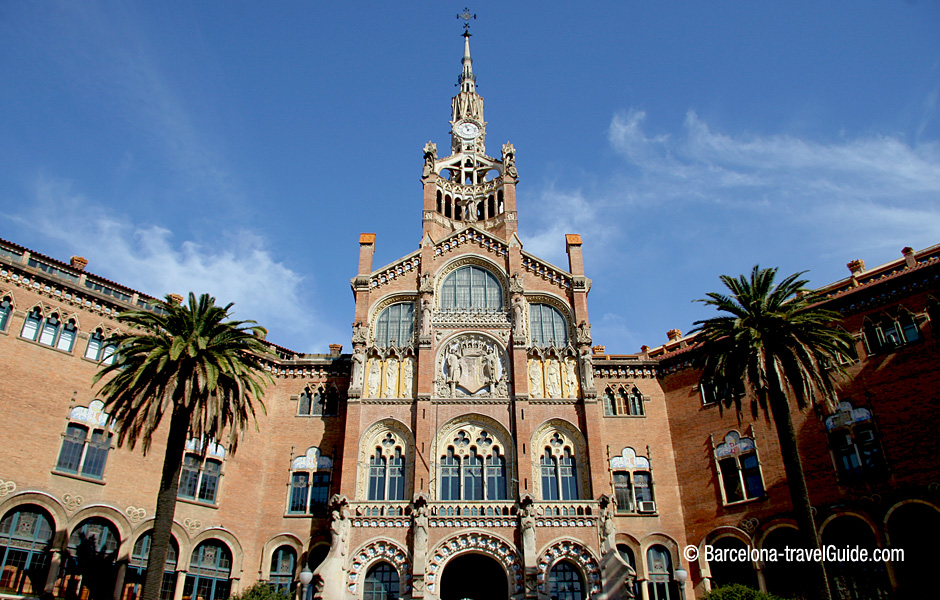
{"x":472,"y":365}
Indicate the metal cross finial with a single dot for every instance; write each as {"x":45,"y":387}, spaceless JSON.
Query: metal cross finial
{"x":466,"y":16}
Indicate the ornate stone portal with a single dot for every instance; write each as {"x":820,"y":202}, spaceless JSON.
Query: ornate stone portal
{"x":472,"y":365}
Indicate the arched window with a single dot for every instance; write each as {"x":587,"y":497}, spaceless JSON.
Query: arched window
{"x":568,"y":476}
{"x":496,"y":477}
{"x":623,"y":400}
{"x":210,"y":572}
{"x":395,"y":325}
{"x":92,"y":550}
{"x":565,"y":582}
{"x":549,"y":467}
{"x":730,"y":572}
{"x":396,"y":476}
{"x":471,"y":287}
{"x":473,"y":477}
{"x":283,"y":563}
{"x":99,"y":351}
{"x":739,"y":469}
{"x":25,"y":536}
{"x":310,"y":483}
{"x":6,"y":309}
{"x":381,"y":583}
{"x":317,"y":400}
{"x":549,"y":327}
{"x":137,"y":569}
{"x":377,"y":467}
{"x":661,"y":585}
{"x":626,"y":553}
{"x":450,"y":476}
{"x":86,"y":442}
{"x":440,"y":206}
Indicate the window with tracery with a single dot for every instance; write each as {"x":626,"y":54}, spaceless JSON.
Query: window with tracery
{"x":472,"y":466}
{"x":854,"y":443}
{"x":386,"y":479}
{"x":25,"y":550}
{"x":395,"y":326}
{"x":557,"y":464}
{"x":739,"y":469}
{"x":98,"y":349}
{"x":471,"y":287}
{"x":210,"y":572}
{"x":317,"y":400}
{"x":136,"y":572}
{"x":6,"y":309}
{"x":86,"y":442}
{"x":310,"y":483}
{"x":633,"y":483}
{"x":201,"y":472}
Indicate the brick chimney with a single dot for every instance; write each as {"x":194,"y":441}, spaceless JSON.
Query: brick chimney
{"x":674,"y":335}
{"x":78,"y":263}
{"x":856,"y":267}
{"x":175,"y":298}
{"x":336,"y":349}
{"x":909,"y":257}
{"x":599,"y":349}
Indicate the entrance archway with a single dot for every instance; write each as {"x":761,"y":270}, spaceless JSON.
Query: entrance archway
{"x":474,"y":577}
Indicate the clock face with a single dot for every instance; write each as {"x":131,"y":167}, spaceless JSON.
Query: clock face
{"x":468,"y":130}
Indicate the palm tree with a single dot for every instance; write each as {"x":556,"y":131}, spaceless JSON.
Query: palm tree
{"x":782,"y":343}
{"x":188,"y":362}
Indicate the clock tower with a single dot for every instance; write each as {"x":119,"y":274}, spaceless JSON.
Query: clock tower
{"x":469,"y":187}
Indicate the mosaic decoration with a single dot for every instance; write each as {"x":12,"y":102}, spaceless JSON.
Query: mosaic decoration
{"x":378,"y":550}
{"x":577,"y":554}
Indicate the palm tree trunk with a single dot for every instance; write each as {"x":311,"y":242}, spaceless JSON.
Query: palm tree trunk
{"x":799,"y":494}
{"x":166,"y":503}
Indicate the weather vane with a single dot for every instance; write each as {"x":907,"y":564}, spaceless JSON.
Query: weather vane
{"x":466,"y":16}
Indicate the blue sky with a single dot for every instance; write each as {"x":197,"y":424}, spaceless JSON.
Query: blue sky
{"x":240,"y":148}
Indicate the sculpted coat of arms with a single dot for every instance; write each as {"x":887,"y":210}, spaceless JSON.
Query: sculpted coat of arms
{"x":472,"y":365}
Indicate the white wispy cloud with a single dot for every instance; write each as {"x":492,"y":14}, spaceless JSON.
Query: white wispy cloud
{"x":235,"y":267}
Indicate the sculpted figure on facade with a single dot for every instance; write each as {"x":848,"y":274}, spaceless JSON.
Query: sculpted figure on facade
{"x":430,"y":157}
{"x":427,"y":283}
{"x":553,"y":378}
{"x":491,"y":367}
{"x":358,"y":358}
{"x":535,"y":379}
{"x":360,"y":334}
{"x":420,"y":526}
{"x":470,"y":211}
{"x":453,"y":370}
{"x":425,"y":317}
{"x":391,"y":378}
{"x":527,"y":523}
{"x":375,"y":378}
{"x":407,"y":377}
{"x":509,"y":160}
{"x":571,"y":378}
{"x":515,"y":283}
{"x":584,"y":332}
{"x":587,"y":370}
{"x":518,"y":315}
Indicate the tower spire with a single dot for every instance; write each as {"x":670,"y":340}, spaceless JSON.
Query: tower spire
{"x":467,"y":79}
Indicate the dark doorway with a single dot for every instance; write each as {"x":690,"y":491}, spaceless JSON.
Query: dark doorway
{"x":474,"y":577}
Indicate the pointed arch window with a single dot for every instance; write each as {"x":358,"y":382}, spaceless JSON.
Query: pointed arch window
{"x":887,"y":334}
{"x":496,"y":476}
{"x":98,"y":350}
{"x":377,"y":467}
{"x":450,"y":476}
{"x":548,"y":326}
{"x":549,"y":470}
{"x":49,"y":331}
{"x":471,"y":287}
{"x":25,"y":538}
{"x":473,"y":477}
{"x":395,"y":325}
{"x":381,"y":583}
{"x":565,"y":582}
{"x":6,"y":309}
{"x":624,"y":400}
